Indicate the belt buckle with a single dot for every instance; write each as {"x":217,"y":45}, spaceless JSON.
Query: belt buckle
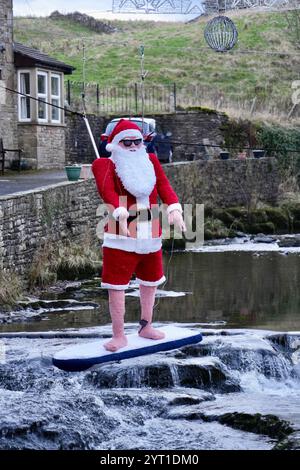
{"x":144,"y":215}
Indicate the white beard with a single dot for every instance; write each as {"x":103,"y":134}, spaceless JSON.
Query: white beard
{"x":135,"y":170}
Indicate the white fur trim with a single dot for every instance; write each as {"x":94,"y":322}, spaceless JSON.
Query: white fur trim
{"x":151,"y":283}
{"x":134,"y":245}
{"x":105,"y":285}
{"x":144,"y":229}
{"x":120,"y":211}
{"x":174,"y":207}
{"x":142,"y":202}
{"x":129,"y":133}
{"x":109,"y":147}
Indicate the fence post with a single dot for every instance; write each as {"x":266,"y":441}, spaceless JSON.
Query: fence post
{"x":253,"y":106}
{"x":136,"y":97}
{"x":97,"y":97}
{"x":174,"y":97}
{"x":69,"y":92}
{"x":292,"y":110}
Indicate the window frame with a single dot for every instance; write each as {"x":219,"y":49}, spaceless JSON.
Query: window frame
{"x":20,"y":97}
{"x":44,"y":96}
{"x":34,"y":73}
{"x":56,"y":97}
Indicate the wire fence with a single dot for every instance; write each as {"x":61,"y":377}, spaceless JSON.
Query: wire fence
{"x":172,"y":98}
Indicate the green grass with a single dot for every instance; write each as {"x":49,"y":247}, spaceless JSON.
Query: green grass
{"x":177,"y":53}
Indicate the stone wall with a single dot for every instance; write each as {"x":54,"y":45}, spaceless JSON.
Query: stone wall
{"x":44,"y":146}
{"x":186,"y":127}
{"x":225,"y":183}
{"x":67,"y":211}
{"x":8,"y":101}
{"x":79,"y":148}
{"x":86,"y":20}
{"x":191,"y":128}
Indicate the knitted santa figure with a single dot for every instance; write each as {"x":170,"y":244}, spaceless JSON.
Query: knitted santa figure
{"x":129,"y":182}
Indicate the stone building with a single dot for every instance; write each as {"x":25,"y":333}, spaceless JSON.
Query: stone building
{"x":34,"y":126}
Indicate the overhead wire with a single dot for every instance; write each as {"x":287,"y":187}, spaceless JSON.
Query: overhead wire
{"x":173,"y":142}
{"x":11,"y":90}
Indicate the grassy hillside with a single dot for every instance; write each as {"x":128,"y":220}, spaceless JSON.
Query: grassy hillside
{"x":177,"y":52}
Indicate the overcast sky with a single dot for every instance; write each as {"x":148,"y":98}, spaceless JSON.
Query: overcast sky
{"x":98,"y":8}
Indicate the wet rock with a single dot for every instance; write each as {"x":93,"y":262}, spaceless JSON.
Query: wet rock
{"x":147,"y":404}
{"x":241,"y":235}
{"x":239,"y":353}
{"x":72,"y":286}
{"x":191,"y":400}
{"x":20,"y":376}
{"x":126,"y":398}
{"x":288,"y":342}
{"x":35,"y":310}
{"x":201,"y":373}
{"x":55,"y":304}
{"x":210,"y":376}
{"x":296,"y":370}
{"x":122,"y":376}
{"x":76,"y":420}
{"x":291,"y":442}
{"x":289,"y":242}
{"x":269,"y":425}
{"x":184,"y":412}
{"x":261,"y":238}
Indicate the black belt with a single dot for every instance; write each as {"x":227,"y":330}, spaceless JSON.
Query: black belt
{"x":144,"y":215}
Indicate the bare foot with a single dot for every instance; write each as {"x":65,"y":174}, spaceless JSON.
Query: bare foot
{"x":116,"y":343}
{"x":151,"y":333}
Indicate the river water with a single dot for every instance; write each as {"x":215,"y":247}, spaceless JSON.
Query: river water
{"x":214,"y":395}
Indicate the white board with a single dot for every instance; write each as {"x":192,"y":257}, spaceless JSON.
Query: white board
{"x":83,"y":356}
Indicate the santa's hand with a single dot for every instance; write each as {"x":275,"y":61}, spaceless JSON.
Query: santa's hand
{"x":175,"y":218}
{"x":123,"y":230}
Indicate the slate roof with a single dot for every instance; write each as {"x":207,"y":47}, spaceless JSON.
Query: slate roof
{"x":39,"y":58}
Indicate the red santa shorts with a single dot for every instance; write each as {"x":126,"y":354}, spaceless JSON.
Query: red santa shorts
{"x":120,"y":265}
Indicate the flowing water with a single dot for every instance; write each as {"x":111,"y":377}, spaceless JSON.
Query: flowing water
{"x":237,"y":389}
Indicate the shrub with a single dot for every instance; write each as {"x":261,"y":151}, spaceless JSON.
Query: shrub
{"x":284,"y":145}
{"x":265,"y":227}
{"x":215,"y":228}
{"x":278,"y":217}
{"x":11,"y":288}
{"x":68,"y":260}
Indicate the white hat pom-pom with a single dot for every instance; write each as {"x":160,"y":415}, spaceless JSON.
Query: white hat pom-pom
{"x":110,"y":147}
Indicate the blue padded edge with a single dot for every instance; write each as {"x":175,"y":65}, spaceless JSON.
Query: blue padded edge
{"x":77,"y":365}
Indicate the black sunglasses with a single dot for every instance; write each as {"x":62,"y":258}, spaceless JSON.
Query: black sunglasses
{"x":128,"y":142}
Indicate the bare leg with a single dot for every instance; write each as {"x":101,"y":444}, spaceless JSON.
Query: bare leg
{"x":117,"y":313}
{"x":147,"y":295}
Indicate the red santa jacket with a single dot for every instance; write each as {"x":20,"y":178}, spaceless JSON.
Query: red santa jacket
{"x":144,"y":237}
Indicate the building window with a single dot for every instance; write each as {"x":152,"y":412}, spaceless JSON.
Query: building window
{"x":55,"y":97}
{"x":42,"y":96}
{"x":47,"y":88}
{"x":24,"y":102}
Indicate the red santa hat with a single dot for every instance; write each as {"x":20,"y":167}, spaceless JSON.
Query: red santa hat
{"x":124,"y":128}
